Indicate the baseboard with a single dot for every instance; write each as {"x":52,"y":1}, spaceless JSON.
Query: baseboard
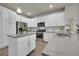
{"x":3,"y":47}
{"x":31,"y":52}
{"x":44,"y":54}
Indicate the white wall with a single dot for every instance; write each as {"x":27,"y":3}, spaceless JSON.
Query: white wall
{"x":33,"y":22}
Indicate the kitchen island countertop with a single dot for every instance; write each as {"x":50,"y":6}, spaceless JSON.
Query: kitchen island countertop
{"x":21,"y":35}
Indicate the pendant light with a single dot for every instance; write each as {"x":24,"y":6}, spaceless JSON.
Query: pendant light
{"x":19,"y":10}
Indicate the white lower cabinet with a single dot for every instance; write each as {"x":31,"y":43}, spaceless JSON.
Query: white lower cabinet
{"x":48,"y":36}
{"x":26,"y":45}
{"x":32,"y":42}
{"x":4,"y":40}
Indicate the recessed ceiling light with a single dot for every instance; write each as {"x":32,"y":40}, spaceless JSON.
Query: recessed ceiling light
{"x":50,"y":6}
{"x":28,"y":13}
{"x":19,"y":10}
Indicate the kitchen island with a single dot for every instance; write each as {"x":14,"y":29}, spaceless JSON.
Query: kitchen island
{"x":21,"y":44}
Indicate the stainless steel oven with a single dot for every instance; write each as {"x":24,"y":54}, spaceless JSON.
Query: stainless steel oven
{"x":40,"y":31}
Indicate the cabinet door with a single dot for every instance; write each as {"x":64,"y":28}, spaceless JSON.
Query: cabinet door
{"x":5,"y":29}
{"x":4,"y":41}
{"x":34,"y":22}
{"x":60,"y":19}
{"x":0,"y":18}
{"x":39,"y":19}
{"x":23,"y":46}
{"x":24,"y":19}
{"x":5,"y":19}
{"x":18,"y":18}
{"x":13,"y":23}
{"x":51,"y":20}
{"x":32,"y":42}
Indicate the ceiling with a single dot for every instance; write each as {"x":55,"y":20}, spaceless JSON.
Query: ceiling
{"x":36,"y":9}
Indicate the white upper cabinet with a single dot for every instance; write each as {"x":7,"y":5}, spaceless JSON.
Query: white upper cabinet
{"x":5,"y":20}
{"x":40,"y":19}
{"x":13,"y":23}
{"x":30,"y":22}
{"x":5,"y":26}
{"x":33,"y":22}
{"x":60,"y":19}
{"x":57,"y":19}
{"x":18,"y":17}
{"x":24,"y":19}
{"x":13,"y":16}
{"x":51,"y":20}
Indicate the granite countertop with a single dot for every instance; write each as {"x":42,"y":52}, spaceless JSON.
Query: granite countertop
{"x":21,"y":35}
